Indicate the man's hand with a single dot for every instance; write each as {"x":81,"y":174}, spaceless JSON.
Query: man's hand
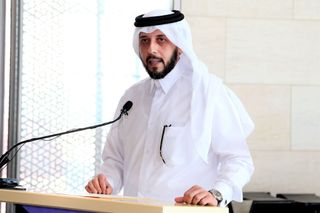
{"x":197,"y":196}
{"x":99,"y":185}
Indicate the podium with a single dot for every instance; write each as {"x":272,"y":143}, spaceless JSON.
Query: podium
{"x":101,"y":204}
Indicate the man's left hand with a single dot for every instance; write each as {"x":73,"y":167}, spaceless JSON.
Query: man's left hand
{"x":196,"y":195}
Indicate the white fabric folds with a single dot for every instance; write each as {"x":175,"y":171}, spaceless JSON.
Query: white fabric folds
{"x":206,"y":143}
{"x":206,"y":87}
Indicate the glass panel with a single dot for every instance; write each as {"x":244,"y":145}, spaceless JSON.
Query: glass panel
{"x":77,"y":60}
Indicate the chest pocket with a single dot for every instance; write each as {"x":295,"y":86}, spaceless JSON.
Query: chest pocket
{"x":178,"y":148}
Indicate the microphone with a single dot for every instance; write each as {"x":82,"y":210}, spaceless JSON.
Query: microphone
{"x":126,"y":107}
{"x":4,"y":159}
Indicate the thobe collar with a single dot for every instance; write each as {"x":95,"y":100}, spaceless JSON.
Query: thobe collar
{"x":166,"y":83}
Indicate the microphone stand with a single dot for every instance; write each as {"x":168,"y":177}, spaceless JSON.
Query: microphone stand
{"x":12,"y":183}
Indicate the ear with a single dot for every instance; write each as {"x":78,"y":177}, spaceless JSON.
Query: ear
{"x":179,"y":52}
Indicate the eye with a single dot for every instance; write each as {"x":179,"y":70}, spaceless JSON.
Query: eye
{"x":144,"y":41}
{"x":161,"y":39}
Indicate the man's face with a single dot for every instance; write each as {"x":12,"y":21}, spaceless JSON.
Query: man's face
{"x":157,"y":53}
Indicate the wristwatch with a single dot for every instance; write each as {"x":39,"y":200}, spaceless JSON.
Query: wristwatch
{"x":217,"y":195}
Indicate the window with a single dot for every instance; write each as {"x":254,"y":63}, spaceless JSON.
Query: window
{"x":76,"y":61}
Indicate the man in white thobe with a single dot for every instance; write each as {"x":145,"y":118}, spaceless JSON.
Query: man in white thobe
{"x":184,"y":139}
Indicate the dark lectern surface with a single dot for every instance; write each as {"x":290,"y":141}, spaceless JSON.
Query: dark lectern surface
{"x":260,"y":196}
{"x":264,"y":202}
{"x":301,"y":198}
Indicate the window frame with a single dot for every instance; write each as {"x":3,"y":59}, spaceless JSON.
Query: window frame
{"x":2,"y":70}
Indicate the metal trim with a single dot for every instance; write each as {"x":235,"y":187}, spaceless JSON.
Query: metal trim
{"x":176,"y":5}
{"x":14,"y":83}
{"x":2,"y":67}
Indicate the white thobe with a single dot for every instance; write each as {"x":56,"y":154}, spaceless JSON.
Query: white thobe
{"x":131,"y":156}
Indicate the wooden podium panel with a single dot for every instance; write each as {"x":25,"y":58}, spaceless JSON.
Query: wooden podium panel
{"x":102,"y":204}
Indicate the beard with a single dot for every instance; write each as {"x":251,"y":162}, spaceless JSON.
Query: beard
{"x":154,"y":74}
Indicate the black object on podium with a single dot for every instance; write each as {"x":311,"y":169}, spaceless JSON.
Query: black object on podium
{"x":10,"y":183}
{"x":308,"y":203}
{"x":264,"y":202}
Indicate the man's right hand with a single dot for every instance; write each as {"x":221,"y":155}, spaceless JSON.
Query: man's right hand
{"x":99,"y":185}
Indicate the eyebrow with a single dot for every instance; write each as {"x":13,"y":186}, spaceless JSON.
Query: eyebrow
{"x":145,"y":36}
{"x":161,"y":35}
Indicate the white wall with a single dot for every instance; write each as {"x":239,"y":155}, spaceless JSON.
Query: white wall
{"x":268,"y":52}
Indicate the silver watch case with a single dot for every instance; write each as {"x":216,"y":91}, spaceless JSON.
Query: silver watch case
{"x":216,"y":194}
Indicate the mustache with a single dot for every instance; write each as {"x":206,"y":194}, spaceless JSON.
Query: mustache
{"x":154,"y":57}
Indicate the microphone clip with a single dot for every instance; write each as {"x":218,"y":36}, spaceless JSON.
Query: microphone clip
{"x":124,"y":112}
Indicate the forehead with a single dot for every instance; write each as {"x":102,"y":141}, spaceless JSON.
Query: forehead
{"x":152,"y":34}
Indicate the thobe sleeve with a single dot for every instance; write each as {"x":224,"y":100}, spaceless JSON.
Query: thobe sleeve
{"x":231,"y":126}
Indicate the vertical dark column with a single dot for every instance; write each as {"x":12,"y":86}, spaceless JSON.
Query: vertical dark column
{"x":2,"y":67}
{"x":14,"y":83}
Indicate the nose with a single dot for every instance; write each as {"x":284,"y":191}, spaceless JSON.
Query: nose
{"x":153,"y":48}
